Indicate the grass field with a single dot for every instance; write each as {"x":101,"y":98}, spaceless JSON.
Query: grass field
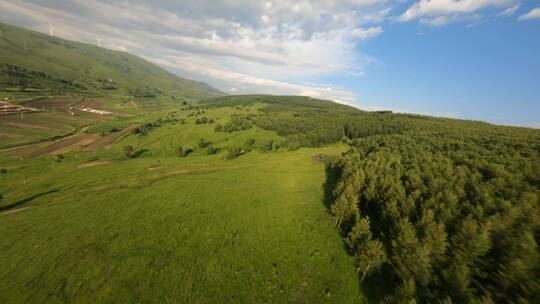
{"x":159,"y":228}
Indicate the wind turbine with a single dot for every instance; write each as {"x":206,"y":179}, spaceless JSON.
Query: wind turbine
{"x":98,"y":41}
{"x":50,"y":30}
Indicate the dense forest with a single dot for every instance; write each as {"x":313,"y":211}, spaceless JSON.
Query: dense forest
{"x":440,"y":210}
{"x":443,"y":217}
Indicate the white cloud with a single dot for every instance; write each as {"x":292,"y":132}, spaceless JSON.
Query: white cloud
{"x":472,"y":19}
{"x":246,"y":83}
{"x":273,"y":42}
{"x":533,"y":14}
{"x":437,"y":21}
{"x":441,"y":12}
{"x":361,"y":33}
{"x":509,"y":11}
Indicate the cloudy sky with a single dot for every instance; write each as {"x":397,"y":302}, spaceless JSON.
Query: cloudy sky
{"x":476,"y":59}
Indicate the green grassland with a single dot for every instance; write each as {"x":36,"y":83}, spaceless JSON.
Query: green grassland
{"x":198,"y":229}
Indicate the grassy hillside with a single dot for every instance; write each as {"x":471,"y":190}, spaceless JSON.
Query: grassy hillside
{"x":271,"y":199}
{"x":33,"y":63}
{"x":100,"y":226}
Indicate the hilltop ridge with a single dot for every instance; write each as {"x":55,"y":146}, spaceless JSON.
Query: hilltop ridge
{"x":34,"y":63}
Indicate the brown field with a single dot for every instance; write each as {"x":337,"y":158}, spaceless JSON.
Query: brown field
{"x":61,"y":103}
{"x":39,"y":126}
{"x":67,"y":144}
{"x":107,"y":141}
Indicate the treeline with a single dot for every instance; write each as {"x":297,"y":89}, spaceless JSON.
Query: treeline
{"x":309,"y":122}
{"x":13,"y":75}
{"x":447,"y":217}
{"x":237,"y":123}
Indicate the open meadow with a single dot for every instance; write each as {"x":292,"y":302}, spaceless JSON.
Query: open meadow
{"x":200,"y":229}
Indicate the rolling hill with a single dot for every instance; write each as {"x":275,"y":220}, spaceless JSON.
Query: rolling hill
{"x":33,"y":63}
{"x":249,"y":199}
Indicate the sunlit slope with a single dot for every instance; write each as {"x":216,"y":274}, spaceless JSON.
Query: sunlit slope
{"x":33,"y":63}
{"x":100,"y":227}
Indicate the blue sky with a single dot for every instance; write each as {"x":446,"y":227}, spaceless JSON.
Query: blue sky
{"x":475,"y":59}
{"x":489,"y":71}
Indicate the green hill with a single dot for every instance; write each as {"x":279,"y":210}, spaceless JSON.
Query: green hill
{"x":33,"y":63}
{"x":249,"y":199}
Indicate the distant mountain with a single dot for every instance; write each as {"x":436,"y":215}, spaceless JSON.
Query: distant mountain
{"x":35,"y":63}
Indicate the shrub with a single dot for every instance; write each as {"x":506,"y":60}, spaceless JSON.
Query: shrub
{"x":59,"y":158}
{"x":250,"y":142}
{"x":233,"y":153}
{"x":267,"y":146}
{"x":3,"y":170}
{"x":248,"y":145}
{"x":293,"y":145}
{"x":203,"y":143}
{"x":277,"y":145}
{"x":218,"y":128}
{"x":236,"y":124}
{"x":212,"y":150}
{"x":128,"y":151}
{"x":204,"y":120}
{"x":181,"y":152}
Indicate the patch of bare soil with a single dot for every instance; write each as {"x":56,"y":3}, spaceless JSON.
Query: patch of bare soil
{"x":58,"y":145}
{"x":29,"y":125}
{"x":108,"y":140}
{"x":15,"y":210}
{"x":84,"y":140}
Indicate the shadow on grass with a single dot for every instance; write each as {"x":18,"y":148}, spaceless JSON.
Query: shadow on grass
{"x":139,"y":153}
{"x":329,"y":184}
{"x":188,"y":152}
{"x":26,"y":200}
